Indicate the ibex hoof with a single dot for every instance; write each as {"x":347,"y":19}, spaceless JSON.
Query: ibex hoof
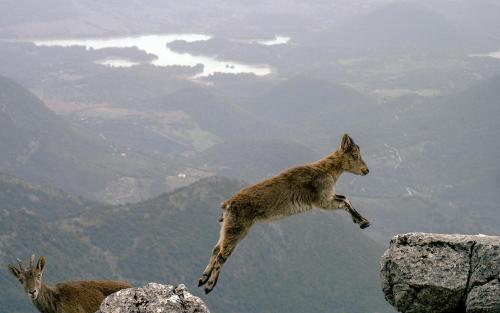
{"x":210,"y":286}
{"x":364,"y":224}
{"x":202,"y":280}
{"x":207,"y":290}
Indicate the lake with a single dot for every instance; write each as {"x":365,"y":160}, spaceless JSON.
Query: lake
{"x":494,"y":54}
{"x":158,"y":45}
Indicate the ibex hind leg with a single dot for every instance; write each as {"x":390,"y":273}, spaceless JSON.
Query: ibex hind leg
{"x":215,"y":250}
{"x":208,"y":270}
{"x":231,"y":236}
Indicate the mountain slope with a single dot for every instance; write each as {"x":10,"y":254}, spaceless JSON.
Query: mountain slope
{"x":478,"y":21}
{"x":315,"y":112}
{"x":216,"y":115}
{"x":45,"y":202}
{"x":465,"y":146}
{"x":69,"y":257}
{"x":315,"y":262}
{"x":41,"y":147}
{"x":439,"y":171}
{"x":176,"y":232}
{"x":34,"y":11}
{"x":253,"y":160}
{"x":395,"y":27}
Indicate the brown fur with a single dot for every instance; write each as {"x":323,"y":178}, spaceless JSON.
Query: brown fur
{"x":293,"y":191}
{"x":65,"y":297}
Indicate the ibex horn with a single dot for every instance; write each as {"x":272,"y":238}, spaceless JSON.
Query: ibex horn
{"x":32,"y":261}
{"x":21,"y":265}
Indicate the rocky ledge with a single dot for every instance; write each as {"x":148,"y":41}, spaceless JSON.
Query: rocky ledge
{"x":153,"y":298}
{"x":442,"y":273}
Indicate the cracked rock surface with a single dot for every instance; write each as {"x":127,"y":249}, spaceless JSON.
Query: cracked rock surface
{"x":153,"y":298}
{"x":442,"y":273}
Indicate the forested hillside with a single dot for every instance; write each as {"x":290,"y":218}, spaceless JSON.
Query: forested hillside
{"x":291,"y":264}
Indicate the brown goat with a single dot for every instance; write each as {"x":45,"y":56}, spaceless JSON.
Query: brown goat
{"x":293,"y":191}
{"x":66,"y":297}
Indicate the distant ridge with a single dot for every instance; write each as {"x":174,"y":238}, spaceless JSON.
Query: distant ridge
{"x":42,"y":148}
{"x":395,"y":27}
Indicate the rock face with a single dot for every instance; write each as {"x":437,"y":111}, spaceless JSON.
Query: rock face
{"x":153,"y":298}
{"x":442,"y":273}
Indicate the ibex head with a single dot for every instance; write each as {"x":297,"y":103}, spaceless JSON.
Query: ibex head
{"x":30,"y":278}
{"x":351,"y":157}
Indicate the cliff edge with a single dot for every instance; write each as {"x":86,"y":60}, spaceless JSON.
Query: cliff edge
{"x":442,"y":273}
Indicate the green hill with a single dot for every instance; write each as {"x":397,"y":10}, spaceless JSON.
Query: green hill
{"x":316,"y":262}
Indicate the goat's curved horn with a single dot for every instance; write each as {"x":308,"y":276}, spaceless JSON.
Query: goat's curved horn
{"x":21,"y":265}
{"x":32,"y":261}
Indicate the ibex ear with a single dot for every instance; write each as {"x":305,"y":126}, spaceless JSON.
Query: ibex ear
{"x":14,"y":271}
{"x":41,"y":263}
{"x":347,"y":143}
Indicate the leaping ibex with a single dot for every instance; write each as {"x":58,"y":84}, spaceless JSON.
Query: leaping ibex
{"x":293,"y":191}
{"x":66,"y":297}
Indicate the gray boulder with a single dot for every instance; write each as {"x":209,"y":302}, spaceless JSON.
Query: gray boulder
{"x":442,"y":273}
{"x":153,"y":298}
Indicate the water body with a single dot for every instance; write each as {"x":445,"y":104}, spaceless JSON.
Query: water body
{"x":495,"y":54}
{"x":117,"y":62}
{"x":278,"y":40}
{"x":157,"y":45}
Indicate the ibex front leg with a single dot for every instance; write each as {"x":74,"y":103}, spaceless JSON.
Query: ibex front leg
{"x":341,"y":202}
